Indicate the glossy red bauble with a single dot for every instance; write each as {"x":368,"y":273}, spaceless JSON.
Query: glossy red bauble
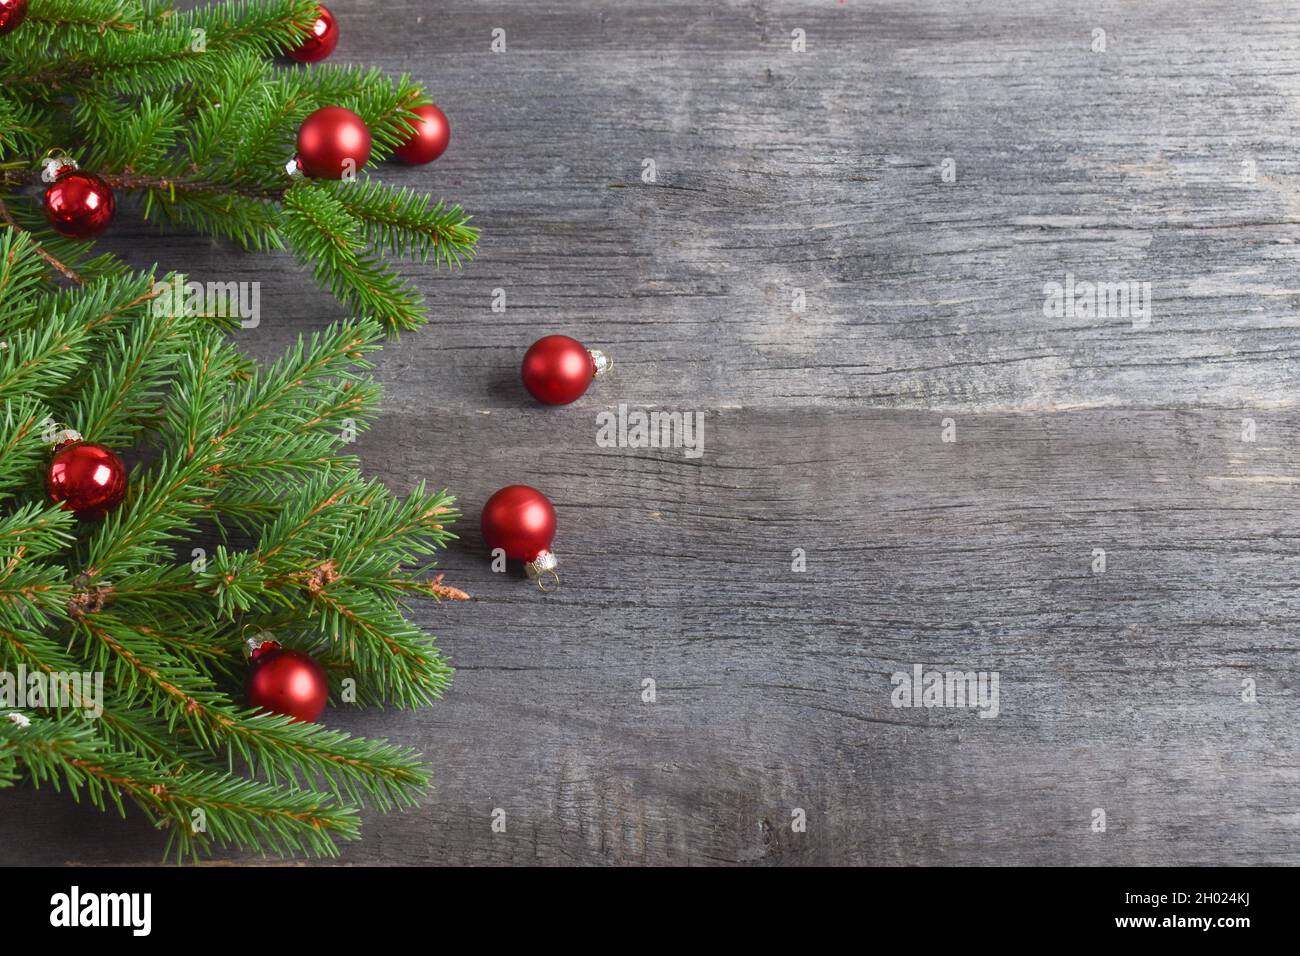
{"x":78,"y":204}
{"x":12,"y":13}
{"x":86,"y":478}
{"x":429,"y":138}
{"x":322,"y":40}
{"x":520,"y":521}
{"x":557,"y":369}
{"x":286,"y":682}
{"x":333,"y":142}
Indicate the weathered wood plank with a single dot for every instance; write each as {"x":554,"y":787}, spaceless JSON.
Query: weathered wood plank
{"x":822,"y":171}
{"x":1118,"y":690}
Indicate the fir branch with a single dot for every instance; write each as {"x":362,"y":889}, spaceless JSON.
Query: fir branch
{"x":196,"y":134}
{"x":52,"y":17}
{"x":182,"y":48}
{"x":21,"y":448}
{"x":252,"y":223}
{"x":15,"y":229}
{"x":124,"y":394}
{"x":20,"y":275}
{"x":141,"y":134}
{"x":56,"y":342}
{"x":353,"y":592}
{"x":200,"y":809}
{"x":37,"y":529}
{"x":285,"y":396}
{"x":29,"y":588}
{"x":173,"y":494}
{"x":361,"y":770}
{"x":70,"y":258}
{"x":401,"y":221}
{"x":331,"y":243}
{"x":21,"y":127}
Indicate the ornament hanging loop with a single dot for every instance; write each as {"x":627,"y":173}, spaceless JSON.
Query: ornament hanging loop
{"x":542,"y":570}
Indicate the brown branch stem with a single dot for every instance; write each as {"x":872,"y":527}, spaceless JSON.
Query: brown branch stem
{"x":129,"y":180}
{"x":66,"y":270}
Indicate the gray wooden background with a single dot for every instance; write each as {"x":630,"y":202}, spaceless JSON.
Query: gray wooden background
{"x":1169,"y":158}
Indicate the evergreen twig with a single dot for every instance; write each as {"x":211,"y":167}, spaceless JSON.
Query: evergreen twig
{"x":198,"y":138}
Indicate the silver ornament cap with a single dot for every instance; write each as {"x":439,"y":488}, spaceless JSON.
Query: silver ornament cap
{"x":544,"y":562}
{"x":52,"y":167}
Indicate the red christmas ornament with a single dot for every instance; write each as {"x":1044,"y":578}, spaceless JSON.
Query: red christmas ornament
{"x":333,"y":142}
{"x":86,"y":478}
{"x":320,"y":42}
{"x":12,"y":13}
{"x":78,"y":204}
{"x":429,"y":137}
{"x":285,"y":682}
{"x":558,"y":369}
{"x":521,"y":522}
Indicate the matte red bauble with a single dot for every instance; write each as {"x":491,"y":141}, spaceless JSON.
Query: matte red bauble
{"x":322,"y":40}
{"x":86,"y":478}
{"x":333,"y":142}
{"x":429,"y":137}
{"x":12,"y":13}
{"x":521,"y":522}
{"x":557,"y":369}
{"x":78,"y":204}
{"x":286,"y":682}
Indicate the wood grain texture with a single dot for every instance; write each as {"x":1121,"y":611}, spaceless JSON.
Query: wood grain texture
{"x":823,"y":431}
